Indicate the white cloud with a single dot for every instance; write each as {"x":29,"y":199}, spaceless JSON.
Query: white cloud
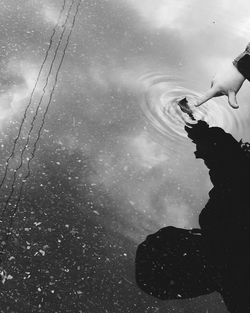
{"x":146,"y":152}
{"x":161,"y":13}
{"x":112,"y":74}
{"x":192,"y":16}
{"x":12,"y":99}
{"x":178,"y":214}
{"x":50,"y":14}
{"x":242,"y":27}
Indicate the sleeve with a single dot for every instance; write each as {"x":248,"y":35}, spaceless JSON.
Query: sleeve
{"x":242,"y":63}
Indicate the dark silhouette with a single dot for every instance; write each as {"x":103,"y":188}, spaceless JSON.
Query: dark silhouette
{"x":184,"y":106}
{"x":179,"y":263}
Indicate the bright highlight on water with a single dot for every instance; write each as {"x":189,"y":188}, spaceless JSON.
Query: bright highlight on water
{"x":160,"y":106}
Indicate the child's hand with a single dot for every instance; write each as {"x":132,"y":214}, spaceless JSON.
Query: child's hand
{"x":226,"y":82}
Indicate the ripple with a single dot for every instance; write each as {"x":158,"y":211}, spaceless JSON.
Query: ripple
{"x":162,"y":93}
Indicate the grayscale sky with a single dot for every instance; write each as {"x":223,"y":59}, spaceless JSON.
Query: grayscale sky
{"x":101,"y":152}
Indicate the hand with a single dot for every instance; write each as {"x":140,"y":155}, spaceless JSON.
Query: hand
{"x":226,"y":82}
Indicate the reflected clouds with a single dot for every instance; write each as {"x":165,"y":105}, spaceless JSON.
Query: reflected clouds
{"x":20,"y":77}
{"x":138,"y":181}
{"x":163,"y":13}
{"x":101,"y":77}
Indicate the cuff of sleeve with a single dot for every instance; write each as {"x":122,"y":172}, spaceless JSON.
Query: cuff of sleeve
{"x":242,"y":63}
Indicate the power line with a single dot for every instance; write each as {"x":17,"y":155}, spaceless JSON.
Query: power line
{"x":13,"y":213}
{"x":46,"y":110}
{"x":31,"y":96}
{"x":37,"y":109}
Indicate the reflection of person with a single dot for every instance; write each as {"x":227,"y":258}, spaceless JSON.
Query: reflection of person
{"x":178,"y":263}
{"x":230,"y":79}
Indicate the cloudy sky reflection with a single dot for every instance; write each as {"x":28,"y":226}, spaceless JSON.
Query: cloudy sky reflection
{"x":101,"y":162}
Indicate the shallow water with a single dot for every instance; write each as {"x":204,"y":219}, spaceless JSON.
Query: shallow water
{"x":162,"y":96}
{"x":108,"y":161}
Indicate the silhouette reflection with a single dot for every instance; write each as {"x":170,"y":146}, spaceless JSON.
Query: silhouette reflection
{"x":178,"y":263}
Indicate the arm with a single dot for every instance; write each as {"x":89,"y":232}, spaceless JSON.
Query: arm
{"x":229,"y":80}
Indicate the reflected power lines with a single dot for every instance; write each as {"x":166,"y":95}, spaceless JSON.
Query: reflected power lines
{"x":17,"y":166}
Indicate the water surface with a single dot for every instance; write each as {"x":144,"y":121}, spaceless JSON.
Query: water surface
{"x":108,"y":161}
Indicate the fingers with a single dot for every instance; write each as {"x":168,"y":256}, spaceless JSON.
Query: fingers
{"x":213,"y":92}
{"x":209,"y":94}
{"x":232,"y":100}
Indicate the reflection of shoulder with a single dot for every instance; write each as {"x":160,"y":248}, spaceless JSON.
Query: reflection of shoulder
{"x":227,"y":159}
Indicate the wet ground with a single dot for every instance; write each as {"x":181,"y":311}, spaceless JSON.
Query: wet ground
{"x":95,"y":157}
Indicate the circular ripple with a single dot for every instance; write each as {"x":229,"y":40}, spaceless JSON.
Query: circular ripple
{"x":160,"y":106}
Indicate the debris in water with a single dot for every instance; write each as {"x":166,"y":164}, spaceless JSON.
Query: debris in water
{"x":183,"y":104}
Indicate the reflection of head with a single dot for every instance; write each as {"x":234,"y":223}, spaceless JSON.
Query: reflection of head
{"x":212,"y":139}
{"x":225,"y":219}
{"x":216,"y":147}
{"x":170,"y":264}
